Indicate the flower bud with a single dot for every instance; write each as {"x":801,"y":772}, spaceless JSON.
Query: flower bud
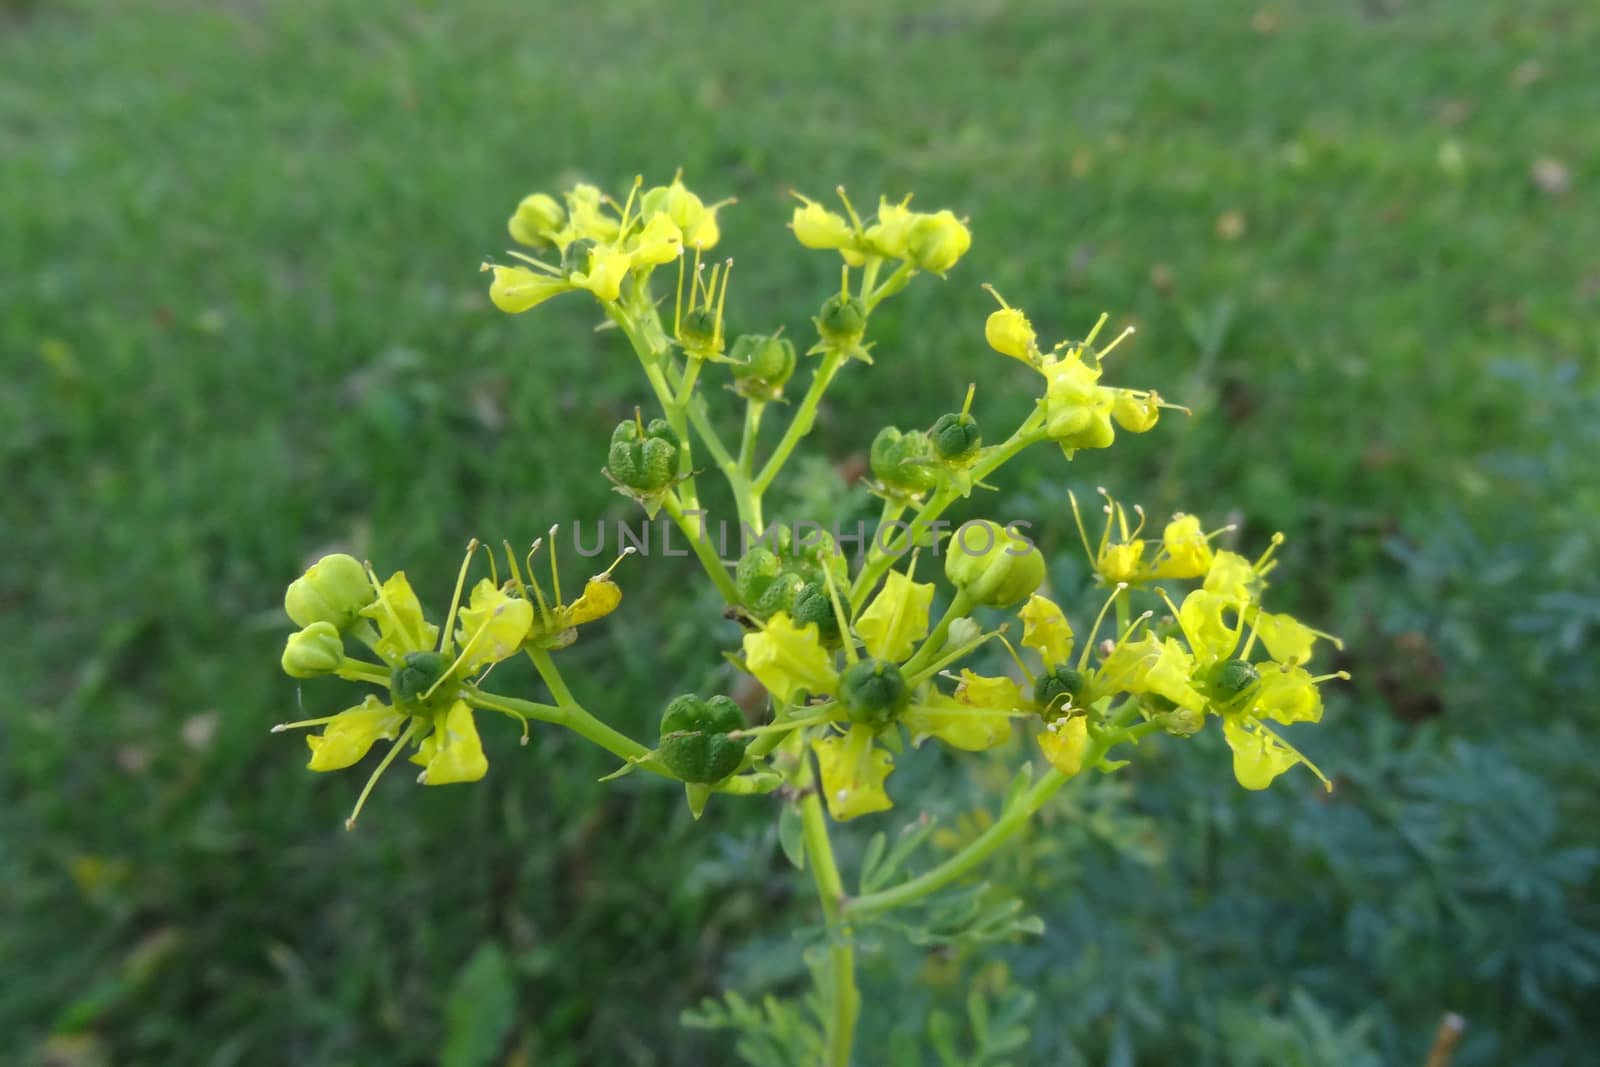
{"x":956,"y":438}
{"x":537,"y":220}
{"x":1136,"y":413}
{"x":937,"y":241}
{"x":816,"y":227}
{"x":695,"y":744}
{"x":318,"y":649}
{"x":903,"y":462}
{"x":417,"y":674}
{"x":645,"y":459}
{"x":842,"y":320}
{"x":1057,"y":689}
{"x":1009,"y":332}
{"x":873,"y":692}
{"x":333,"y":589}
{"x":762,"y":365}
{"x":991,"y":565}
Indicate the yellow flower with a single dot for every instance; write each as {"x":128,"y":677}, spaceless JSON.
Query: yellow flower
{"x":607,"y":268}
{"x":1064,"y":743}
{"x":815,"y":226}
{"x":516,"y":289}
{"x":1287,"y":639}
{"x":537,"y":221}
{"x":401,"y":626}
{"x":453,"y":752}
{"x":659,"y":242}
{"x":1286,"y":695}
{"x":957,"y":723}
{"x":853,"y":772}
{"x":1009,"y":332}
{"x":1211,"y":636}
{"x":1045,"y":628}
{"x":1000,"y":694}
{"x":600,"y":598}
{"x":351,"y":733}
{"x":493,"y":626}
{"x":896,"y":619}
{"x":1077,"y":409}
{"x":1136,"y":411}
{"x":1259,"y":755}
{"x":786,"y":658}
{"x":890,"y":235}
{"x":1234,"y":577}
{"x":696,"y":221}
{"x":1188,"y":551}
{"x":587,"y":216}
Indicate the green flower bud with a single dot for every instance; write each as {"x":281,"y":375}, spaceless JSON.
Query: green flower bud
{"x":318,"y":649}
{"x":937,"y":241}
{"x":813,"y":604}
{"x":762,"y":365}
{"x":903,"y":462}
{"x":1232,"y":677}
{"x":873,"y":692}
{"x":694,"y":738}
{"x":643,"y":459}
{"x":1057,"y":689}
{"x":417,"y":674}
{"x":991,"y":565}
{"x":956,"y":438}
{"x":539,"y":217}
{"x":333,"y":589}
{"x":842,"y":320}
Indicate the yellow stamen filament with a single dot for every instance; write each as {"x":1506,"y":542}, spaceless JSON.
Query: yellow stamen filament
{"x":1088,"y":643}
{"x":388,"y":758}
{"x":455,"y":598}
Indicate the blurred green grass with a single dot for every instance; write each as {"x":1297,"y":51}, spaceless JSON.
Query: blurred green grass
{"x":242,"y":321}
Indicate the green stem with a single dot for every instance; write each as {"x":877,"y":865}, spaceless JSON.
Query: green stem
{"x":702,"y":549}
{"x":750,"y":512}
{"x":354,"y":670}
{"x":985,"y":844}
{"x":800,"y":425}
{"x":846,"y":1000}
{"x":960,"y":604}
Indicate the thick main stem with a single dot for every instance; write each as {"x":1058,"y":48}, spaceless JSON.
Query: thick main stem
{"x":846,"y":1001}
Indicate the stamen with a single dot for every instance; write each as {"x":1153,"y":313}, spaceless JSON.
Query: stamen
{"x":555,"y":577}
{"x":1083,"y":534}
{"x":855,"y":220}
{"x":545,"y":616}
{"x":303,"y":724}
{"x":839,"y":616}
{"x":455,"y":598}
{"x":548,"y":268}
{"x":626,"y":552}
{"x":1088,"y":342}
{"x":996,"y":294}
{"x":677,"y":303}
{"x":400,"y":627}
{"x":1123,"y":336}
{"x":966,"y":406}
{"x":1138,"y":509}
{"x":1088,"y":644}
{"x":638,"y":182}
{"x":388,"y":758}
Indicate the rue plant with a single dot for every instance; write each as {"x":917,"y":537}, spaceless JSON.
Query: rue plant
{"x":856,"y":670}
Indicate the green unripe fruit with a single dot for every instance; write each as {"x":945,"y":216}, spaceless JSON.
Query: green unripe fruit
{"x":694,"y":738}
{"x":755,"y":571}
{"x":991,"y":565}
{"x":1057,"y":688}
{"x":1232,"y":677}
{"x":903,"y":461}
{"x":318,"y":649}
{"x":419,"y":673}
{"x":762,"y":365}
{"x":873,"y":692}
{"x":698,"y":329}
{"x":842,"y":320}
{"x":646,"y":460}
{"x":575,"y":258}
{"x":813,"y":604}
{"x":334,"y":589}
{"x":956,"y":438}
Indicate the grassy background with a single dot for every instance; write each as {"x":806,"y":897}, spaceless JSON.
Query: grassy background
{"x":241,"y":322}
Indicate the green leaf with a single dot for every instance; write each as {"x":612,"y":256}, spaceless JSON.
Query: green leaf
{"x":791,"y":836}
{"x":480,"y":1010}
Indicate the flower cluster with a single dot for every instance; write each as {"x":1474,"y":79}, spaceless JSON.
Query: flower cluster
{"x":928,"y":241}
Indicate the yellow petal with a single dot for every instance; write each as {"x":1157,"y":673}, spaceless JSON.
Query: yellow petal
{"x":1009,"y":332}
{"x":816,"y":227}
{"x":516,"y":289}
{"x":1287,"y":639}
{"x":1210,"y":635}
{"x":1258,"y":755}
{"x":607,"y":268}
{"x":457,"y":753}
{"x":1045,"y":627}
{"x":1287,"y":696}
{"x":1188,"y":553}
{"x":659,"y":242}
{"x":398,"y":613}
{"x":853,"y":772}
{"x":786,"y":658}
{"x":600,"y":598}
{"x":957,"y":724}
{"x":1001,"y":694}
{"x":896,"y":619}
{"x":1064,"y":743}
{"x":1232,"y":576}
{"x":493,"y":625}
{"x":352,"y":733}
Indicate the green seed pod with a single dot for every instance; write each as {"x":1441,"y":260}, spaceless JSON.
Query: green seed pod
{"x":813,"y":604}
{"x":1057,"y":688}
{"x":575,"y":258}
{"x":762,"y":365}
{"x":646,"y":461}
{"x":416,"y":675}
{"x":873,"y":692}
{"x":842,"y":320}
{"x":698,"y":329}
{"x":1232,"y":677}
{"x":991,"y":565}
{"x":755,"y":571}
{"x":318,"y":649}
{"x":903,"y":462}
{"x":694,"y":738}
{"x":333,"y":589}
{"x":956,"y":438}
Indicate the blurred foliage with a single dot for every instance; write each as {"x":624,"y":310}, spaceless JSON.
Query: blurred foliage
{"x":241,"y":323}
